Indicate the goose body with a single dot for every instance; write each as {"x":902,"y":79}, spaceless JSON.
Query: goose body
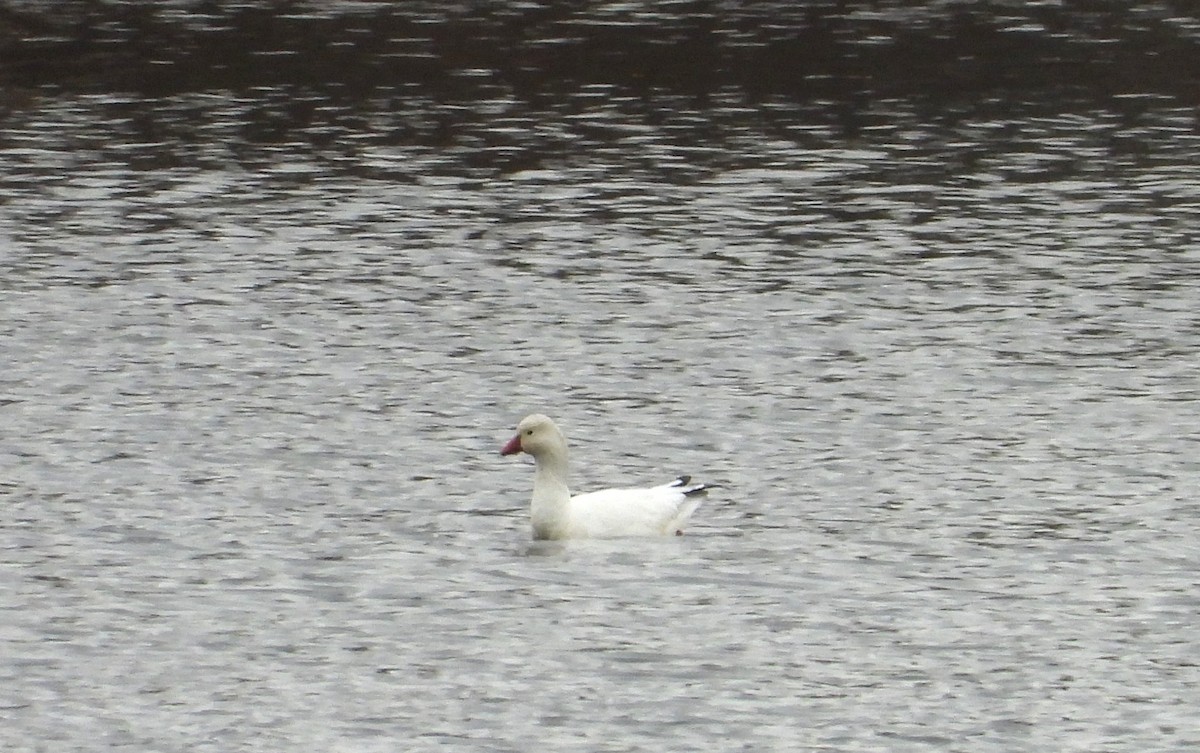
{"x":609,"y":513}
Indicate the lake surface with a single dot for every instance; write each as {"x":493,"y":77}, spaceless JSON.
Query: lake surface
{"x":262,"y":347}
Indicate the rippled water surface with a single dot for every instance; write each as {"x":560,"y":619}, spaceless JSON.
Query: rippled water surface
{"x":262,"y":349}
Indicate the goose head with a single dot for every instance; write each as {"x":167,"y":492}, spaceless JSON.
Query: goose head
{"x":538,"y":436}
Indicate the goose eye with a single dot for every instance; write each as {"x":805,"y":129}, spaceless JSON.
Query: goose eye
{"x":529,"y":432}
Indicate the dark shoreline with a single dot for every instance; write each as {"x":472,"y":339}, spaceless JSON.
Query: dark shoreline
{"x":821,"y":50}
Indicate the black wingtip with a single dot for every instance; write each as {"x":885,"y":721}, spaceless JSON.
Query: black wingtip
{"x":683,"y":481}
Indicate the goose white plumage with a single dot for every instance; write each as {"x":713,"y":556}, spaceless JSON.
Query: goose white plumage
{"x":610,"y":513}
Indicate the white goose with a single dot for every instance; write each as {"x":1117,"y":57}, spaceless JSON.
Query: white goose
{"x":655,"y":511}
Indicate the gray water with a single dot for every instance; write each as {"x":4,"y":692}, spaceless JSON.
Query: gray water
{"x":942,"y":363}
